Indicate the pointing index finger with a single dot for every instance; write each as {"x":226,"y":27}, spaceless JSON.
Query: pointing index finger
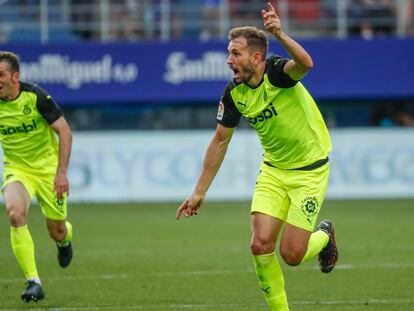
{"x":178,"y":214}
{"x":270,"y":6}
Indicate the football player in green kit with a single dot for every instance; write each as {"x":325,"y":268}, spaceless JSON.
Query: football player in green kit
{"x":294,"y":173}
{"x":35,"y":165}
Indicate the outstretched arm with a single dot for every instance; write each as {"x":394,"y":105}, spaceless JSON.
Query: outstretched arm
{"x":301,"y":61}
{"x":61,"y":127}
{"x":212,"y":161}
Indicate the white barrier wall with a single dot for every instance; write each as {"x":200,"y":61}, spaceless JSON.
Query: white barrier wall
{"x":162,"y":166}
{"x":372,"y":163}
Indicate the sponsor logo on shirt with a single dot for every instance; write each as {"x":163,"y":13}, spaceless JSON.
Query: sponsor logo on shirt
{"x":266,"y":114}
{"x":24,"y":128}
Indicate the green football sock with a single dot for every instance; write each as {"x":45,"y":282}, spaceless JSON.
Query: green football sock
{"x":23,"y":249}
{"x":318,"y":240}
{"x":68,"y":236}
{"x":271,"y":281}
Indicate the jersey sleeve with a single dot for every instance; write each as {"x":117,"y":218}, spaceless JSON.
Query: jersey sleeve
{"x":276,"y":74}
{"x":47,"y":106}
{"x":227,"y":114}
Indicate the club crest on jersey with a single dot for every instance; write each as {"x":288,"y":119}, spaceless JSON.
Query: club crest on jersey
{"x":310,"y":207}
{"x":27,"y":110}
{"x":220,"y":112}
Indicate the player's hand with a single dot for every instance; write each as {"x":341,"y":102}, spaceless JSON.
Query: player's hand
{"x":61,"y":184}
{"x":271,"y":20}
{"x":190,"y":206}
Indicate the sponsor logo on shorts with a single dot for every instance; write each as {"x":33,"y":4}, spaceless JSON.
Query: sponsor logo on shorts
{"x":310,"y":207}
{"x":60,"y":202}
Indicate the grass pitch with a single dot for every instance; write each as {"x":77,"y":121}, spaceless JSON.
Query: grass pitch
{"x":137,"y":257}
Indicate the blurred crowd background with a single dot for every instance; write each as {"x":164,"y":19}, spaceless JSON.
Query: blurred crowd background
{"x":166,"y":20}
{"x":139,"y":21}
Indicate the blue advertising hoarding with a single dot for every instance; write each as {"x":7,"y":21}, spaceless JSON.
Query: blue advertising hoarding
{"x":195,"y":72}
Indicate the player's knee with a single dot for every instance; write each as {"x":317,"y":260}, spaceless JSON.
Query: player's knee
{"x":17,"y":217}
{"x":259,"y":247}
{"x":291,"y":257}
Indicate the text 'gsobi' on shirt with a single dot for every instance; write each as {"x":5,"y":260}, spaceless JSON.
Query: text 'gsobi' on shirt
{"x":26,"y":138}
{"x":290,"y":127}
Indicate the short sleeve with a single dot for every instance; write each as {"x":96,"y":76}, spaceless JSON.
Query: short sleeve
{"x":227,"y":114}
{"x":277,"y":77}
{"x":47,"y":107}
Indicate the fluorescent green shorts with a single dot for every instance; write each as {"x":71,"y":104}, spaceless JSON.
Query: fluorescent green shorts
{"x":293,"y":196}
{"x":42,"y":187}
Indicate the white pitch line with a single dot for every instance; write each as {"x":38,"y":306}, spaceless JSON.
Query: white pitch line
{"x":338,"y":267}
{"x":380,"y":266}
{"x":198,"y":306}
{"x":213,"y":272}
{"x":75,"y":278}
{"x":356,"y":302}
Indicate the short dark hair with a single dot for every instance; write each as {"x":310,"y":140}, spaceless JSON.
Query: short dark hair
{"x":256,"y":38}
{"x":12,"y":59}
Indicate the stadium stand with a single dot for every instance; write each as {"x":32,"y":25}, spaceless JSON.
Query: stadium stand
{"x":133,"y":21}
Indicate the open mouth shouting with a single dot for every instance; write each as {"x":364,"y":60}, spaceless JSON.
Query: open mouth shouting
{"x":236,"y":73}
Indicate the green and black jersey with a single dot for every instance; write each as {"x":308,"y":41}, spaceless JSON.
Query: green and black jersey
{"x":27,"y":140}
{"x":290,"y":127}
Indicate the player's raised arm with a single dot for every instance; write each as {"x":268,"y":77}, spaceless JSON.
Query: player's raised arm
{"x":301,"y":61}
{"x":212,"y":161}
